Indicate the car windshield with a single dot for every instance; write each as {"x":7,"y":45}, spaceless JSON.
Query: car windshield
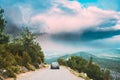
{"x":55,"y":63}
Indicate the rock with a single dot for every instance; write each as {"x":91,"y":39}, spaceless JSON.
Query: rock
{"x":42,"y":65}
{"x":1,"y":78}
{"x":23,"y":69}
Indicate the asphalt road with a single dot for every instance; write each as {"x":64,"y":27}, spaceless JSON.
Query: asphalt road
{"x":49,"y":74}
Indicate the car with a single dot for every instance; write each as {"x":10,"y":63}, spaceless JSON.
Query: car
{"x":54,"y":65}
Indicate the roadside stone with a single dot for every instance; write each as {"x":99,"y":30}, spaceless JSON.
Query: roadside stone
{"x":1,"y":78}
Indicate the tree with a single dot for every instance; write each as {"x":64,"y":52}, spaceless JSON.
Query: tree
{"x":93,"y":71}
{"x":19,"y":60}
{"x":26,"y":59}
{"x":61,"y":61}
{"x":27,"y":39}
{"x":107,"y":75}
{"x":77,"y":63}
{"x":90,"y":61}
{"x":31,"y":47}
{"x":6,"y":58}
{"x":3,"y":38}
{"x":2,"y":20}
{"x":21,"y":51}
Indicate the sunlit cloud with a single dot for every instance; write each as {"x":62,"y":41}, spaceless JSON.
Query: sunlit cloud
{"x":76,"y":23}
{"x":59,"y":21}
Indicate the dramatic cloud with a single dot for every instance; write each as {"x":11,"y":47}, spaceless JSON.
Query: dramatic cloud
{"x":101,"y":34}
{"x":69,"y":23}
{"x":20,"y":12}
{"x":72,"y":17}
{"x":59,"y":16}
{"x":87,"y":35}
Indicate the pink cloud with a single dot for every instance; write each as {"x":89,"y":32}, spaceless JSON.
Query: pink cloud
{"x":84,"y":18}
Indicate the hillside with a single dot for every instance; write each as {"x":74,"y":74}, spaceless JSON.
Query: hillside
{"x":111,"y":63}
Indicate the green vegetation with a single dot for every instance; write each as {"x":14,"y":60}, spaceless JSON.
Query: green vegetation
{"x":20,"y":52}
{"x":81,"y":65}
{"x":110,"y":63}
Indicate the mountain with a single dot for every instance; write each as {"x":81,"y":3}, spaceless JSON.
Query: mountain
{"x":85,"y":55}
{"x":110,"y":53}
{"x":111,"y":63}
{"x":51,"y":59}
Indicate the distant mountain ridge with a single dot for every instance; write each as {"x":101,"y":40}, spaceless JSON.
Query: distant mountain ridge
{"x":111,"y":63}
{"x":108,"y":53}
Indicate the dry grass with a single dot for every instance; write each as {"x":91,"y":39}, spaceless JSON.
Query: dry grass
{"x":42,"y":67}
{"x":82,"y":75}
{"x":10,"y":79}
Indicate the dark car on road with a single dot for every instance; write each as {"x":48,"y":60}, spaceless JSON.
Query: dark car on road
{"x":54,"y":65}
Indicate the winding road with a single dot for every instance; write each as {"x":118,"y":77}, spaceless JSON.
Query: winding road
{"x":49,"y":74}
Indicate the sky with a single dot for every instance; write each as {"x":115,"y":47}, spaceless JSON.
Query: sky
{"x":66,"y":26}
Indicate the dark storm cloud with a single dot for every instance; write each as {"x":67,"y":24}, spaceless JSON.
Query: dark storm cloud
{"x":87,"y":35}
{"x":101,"y":34}
{"x":12,"y":29}
{"x":18,"y":13}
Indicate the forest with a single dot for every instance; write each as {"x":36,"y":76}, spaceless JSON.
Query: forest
{"x":18,"y":54}
{"x":81,"y":65}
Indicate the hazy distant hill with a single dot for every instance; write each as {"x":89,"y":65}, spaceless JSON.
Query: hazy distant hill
{"x":110,"y":53}
{"x":82,"y":54}
{"x":111,"y":63}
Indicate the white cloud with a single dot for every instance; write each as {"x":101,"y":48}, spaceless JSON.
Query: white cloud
{"x":115,"y":39}
{"x":108,"y":43}
{"x":50,"y":45}
{"x":58,"y":21}
{"x":118,"y":23}
{"x":70,"y":4}
{"x":26,"y":11}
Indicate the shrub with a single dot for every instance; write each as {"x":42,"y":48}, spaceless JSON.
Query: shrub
{"x":30,"y":67}
{"x":22,"y":51}
{"x":15,"y":69}
{"x":22,"y":69}
{"x":61,"y":61}
{"x":36,"y":65}
{"x":10,"y":73}
{"x":81,"y":65}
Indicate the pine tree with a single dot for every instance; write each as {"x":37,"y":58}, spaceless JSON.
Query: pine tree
{"x":3,"y":38}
